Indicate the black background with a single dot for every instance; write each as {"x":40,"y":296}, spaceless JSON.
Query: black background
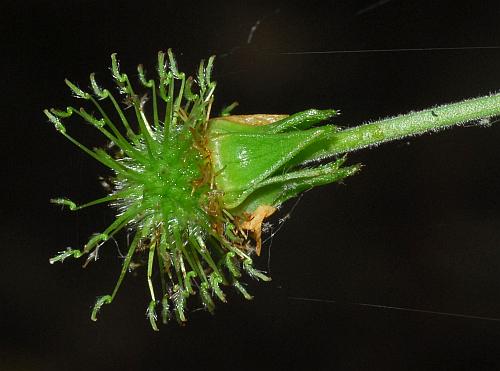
{"x":419,"y":227}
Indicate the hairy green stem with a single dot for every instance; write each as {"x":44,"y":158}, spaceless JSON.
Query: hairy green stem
{"x":410,"y":124}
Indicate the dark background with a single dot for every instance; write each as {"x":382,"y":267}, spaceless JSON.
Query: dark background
{"x":419,"y":227}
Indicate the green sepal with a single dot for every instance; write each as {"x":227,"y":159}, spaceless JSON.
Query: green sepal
{"x":259,"y":164}
{"x":300,"y":121}
{"x":242,"y":161}
{"x":279,"y":189}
